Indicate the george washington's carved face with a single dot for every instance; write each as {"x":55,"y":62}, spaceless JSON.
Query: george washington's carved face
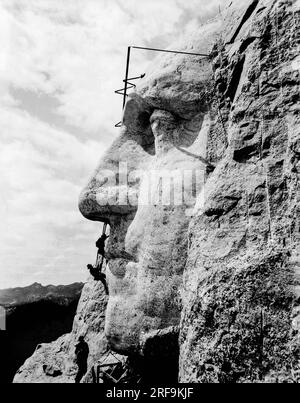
{"x":145,"y":187}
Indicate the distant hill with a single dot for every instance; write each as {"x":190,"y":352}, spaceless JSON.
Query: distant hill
{"x":12,"y":297}
{"x":34,"y":314}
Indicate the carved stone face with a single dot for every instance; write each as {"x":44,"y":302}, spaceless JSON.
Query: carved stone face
{"x":166,"y":116}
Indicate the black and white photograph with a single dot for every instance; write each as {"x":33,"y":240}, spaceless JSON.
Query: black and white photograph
{"x":150,"y":194}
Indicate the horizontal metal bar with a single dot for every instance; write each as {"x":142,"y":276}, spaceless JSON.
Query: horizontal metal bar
{"x":170,"y":51}
{"x":135,"y":78}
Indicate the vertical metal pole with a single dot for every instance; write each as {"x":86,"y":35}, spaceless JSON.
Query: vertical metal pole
{"x":126,"y":75}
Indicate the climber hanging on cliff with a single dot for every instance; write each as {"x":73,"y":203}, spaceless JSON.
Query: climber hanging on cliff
{"x":100,"y":244}
{"x":81,"y":354}
{"x":98,"y":276}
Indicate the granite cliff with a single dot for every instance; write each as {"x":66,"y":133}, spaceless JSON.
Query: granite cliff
{"x":208,"y":285}
{"x":240,"y":317}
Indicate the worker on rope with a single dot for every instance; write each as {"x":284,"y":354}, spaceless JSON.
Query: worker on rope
{"x":96,"y":271}
{"x":98,"y":276}
{"x":81,"y":354}
{"x":100,"y":244}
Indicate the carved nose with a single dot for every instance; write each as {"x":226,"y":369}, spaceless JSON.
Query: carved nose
{"x":113,"y":190}
{"x":106,"y":194}
{"x":163,"y":126}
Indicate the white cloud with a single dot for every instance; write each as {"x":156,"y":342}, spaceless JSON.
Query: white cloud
{"x":41,"y":174}
{"x":82,"y":48}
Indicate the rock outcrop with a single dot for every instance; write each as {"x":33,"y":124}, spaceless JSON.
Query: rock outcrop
{"x":201,"y":192}
{"x":55,"y":362}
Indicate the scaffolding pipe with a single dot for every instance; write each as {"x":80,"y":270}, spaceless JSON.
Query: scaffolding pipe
{"x":126,"y":75}
{"x":119,"y":124}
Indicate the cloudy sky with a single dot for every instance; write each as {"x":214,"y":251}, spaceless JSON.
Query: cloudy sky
{"x":60,"y":62}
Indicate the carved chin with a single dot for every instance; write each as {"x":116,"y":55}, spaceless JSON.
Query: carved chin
{"x":140,"y":302}
{"x":123,"y":325}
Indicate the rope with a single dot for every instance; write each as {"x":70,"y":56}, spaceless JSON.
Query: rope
{"x":203,"y":160}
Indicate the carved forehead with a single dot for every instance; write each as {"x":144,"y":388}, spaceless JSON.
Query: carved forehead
{"x":181,"y":83}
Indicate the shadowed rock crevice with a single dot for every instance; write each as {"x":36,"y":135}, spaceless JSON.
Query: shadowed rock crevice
{"x":247,"y":42}
{"x":250,"y":10}
{"x":235,"y":79}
